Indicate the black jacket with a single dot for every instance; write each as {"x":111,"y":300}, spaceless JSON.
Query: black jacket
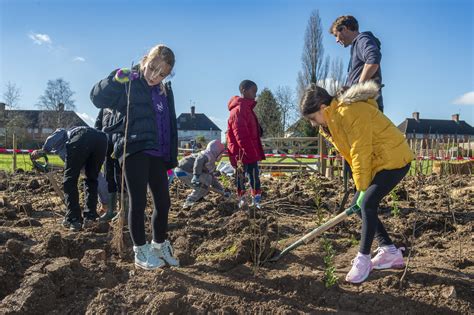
{"x":104,"y":119}
{"x":142,"y":130}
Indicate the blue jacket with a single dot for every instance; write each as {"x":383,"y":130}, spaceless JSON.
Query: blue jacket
{"x":364,"y":49}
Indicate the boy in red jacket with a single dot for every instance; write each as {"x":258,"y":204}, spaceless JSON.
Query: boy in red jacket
{"x":243,"y":141}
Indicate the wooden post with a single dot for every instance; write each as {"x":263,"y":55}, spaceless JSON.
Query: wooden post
{"x":322,"y":152}
{"x":470,"y":153}
{"x":427,"y":164}
{"x":448,"y":149}
{"x":431,"y":161}
{"x":457,"y":146}
{"x":416,"y":156}
{"x":14,"y":152}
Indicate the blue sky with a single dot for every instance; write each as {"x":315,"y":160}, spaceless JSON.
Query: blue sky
{"x":427,"y":48}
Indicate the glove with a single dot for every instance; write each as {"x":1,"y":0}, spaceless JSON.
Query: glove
{"x":124,"y":75}
{"x":227,"y":194}
{"x":195,"y":180}
{"x":36,"y":154}
{"x":360,"y":198}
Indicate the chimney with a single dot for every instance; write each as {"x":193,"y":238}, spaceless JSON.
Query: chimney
{"x":193,"y":111}
{"x":61,"y":107}
{"x":416,"y":116}
{"x":455,"y":117}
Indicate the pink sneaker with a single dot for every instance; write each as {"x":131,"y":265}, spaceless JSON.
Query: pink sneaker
{"x":386,"y":260}
{"x":361,"y":267}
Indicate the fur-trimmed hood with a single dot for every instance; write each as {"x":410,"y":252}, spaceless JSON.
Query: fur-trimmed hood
{"x":360,"y":92}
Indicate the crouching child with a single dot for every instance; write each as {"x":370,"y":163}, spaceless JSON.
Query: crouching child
{"x":196,"y":171}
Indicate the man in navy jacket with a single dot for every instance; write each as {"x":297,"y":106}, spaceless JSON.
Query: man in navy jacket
{"x":365,"y":59}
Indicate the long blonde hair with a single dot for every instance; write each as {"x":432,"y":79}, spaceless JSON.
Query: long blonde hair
{"x":157,"y":54}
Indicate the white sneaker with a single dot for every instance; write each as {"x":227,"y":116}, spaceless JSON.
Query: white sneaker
{"x":164,"y":251}
{"x":188,"y":204}
{"x":242,"y":202}
{"x":154,"y":261}
{"x":256,"y":201}
{"x":141,"y":256}
{"x":361,"y":268}
{"x":387,"y":260}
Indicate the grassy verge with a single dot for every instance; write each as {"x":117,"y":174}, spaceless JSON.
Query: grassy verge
{"x":23,"y":161}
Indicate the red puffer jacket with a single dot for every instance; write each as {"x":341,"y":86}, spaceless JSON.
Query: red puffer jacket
{"x":243,"y":132}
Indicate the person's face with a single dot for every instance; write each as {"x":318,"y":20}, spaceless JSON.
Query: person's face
{"x":317,"y":118}
{"x":343,"y":36}
{"x":250,"y":93}
{"x":155,"y":72}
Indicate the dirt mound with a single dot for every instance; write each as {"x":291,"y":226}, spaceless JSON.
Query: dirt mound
{"x":224,"y":253}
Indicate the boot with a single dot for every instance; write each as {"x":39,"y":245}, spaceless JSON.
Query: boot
{"x":111,"y":208}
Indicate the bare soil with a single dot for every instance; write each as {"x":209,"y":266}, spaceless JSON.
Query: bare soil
{"x":45,"y":269}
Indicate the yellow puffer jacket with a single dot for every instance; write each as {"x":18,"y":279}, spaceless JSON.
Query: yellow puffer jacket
{"x":363,"y":135}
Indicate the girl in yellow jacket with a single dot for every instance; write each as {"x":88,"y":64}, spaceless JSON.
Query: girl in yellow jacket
{"x":378,"y":155}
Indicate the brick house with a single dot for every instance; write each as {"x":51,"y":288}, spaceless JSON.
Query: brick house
{"x":32,"y":127}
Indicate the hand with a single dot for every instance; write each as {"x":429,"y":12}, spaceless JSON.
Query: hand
{"x":124,"y":75}
{"x":360,"y":198}
{"x":195,"y":180}
{"x":36,"y":154}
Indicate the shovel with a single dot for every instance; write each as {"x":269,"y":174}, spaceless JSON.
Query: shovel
{"x":316,"y":232}
{"x":345,"y":178}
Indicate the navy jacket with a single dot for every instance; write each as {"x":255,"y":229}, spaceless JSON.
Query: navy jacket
{"x":56,"y":142}
{"x":364,"y":49}
{"x":142,"y":129}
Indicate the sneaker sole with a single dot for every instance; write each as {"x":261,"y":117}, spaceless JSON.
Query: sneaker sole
{"x":390,"y":266}
{"x":168,"y":264}
{"x":360,"y":281}
{"x":172,"y":265}
{"x":72,"y":229}
{"x":148,"y":268}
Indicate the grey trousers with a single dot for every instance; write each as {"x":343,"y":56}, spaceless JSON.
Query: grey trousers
{"x":207,"y":180}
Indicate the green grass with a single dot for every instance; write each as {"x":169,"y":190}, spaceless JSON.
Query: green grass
{"x":23,"y":161}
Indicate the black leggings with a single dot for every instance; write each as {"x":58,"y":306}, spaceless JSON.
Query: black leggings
{"x":142,"y":169}
{"x":383,"y":182}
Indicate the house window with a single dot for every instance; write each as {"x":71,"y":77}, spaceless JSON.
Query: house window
{"x":47,"y":130}
{"x":36,"y":130}
{"x":30,"y":130}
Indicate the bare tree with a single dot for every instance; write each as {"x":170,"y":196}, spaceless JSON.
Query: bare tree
{"x":17,"y":124}
{"x":57,"y":92}
{"x":336,"y":77}
{"x":315,"y":66}
{"x":285,"y":98}
{"x":11,"y":95}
